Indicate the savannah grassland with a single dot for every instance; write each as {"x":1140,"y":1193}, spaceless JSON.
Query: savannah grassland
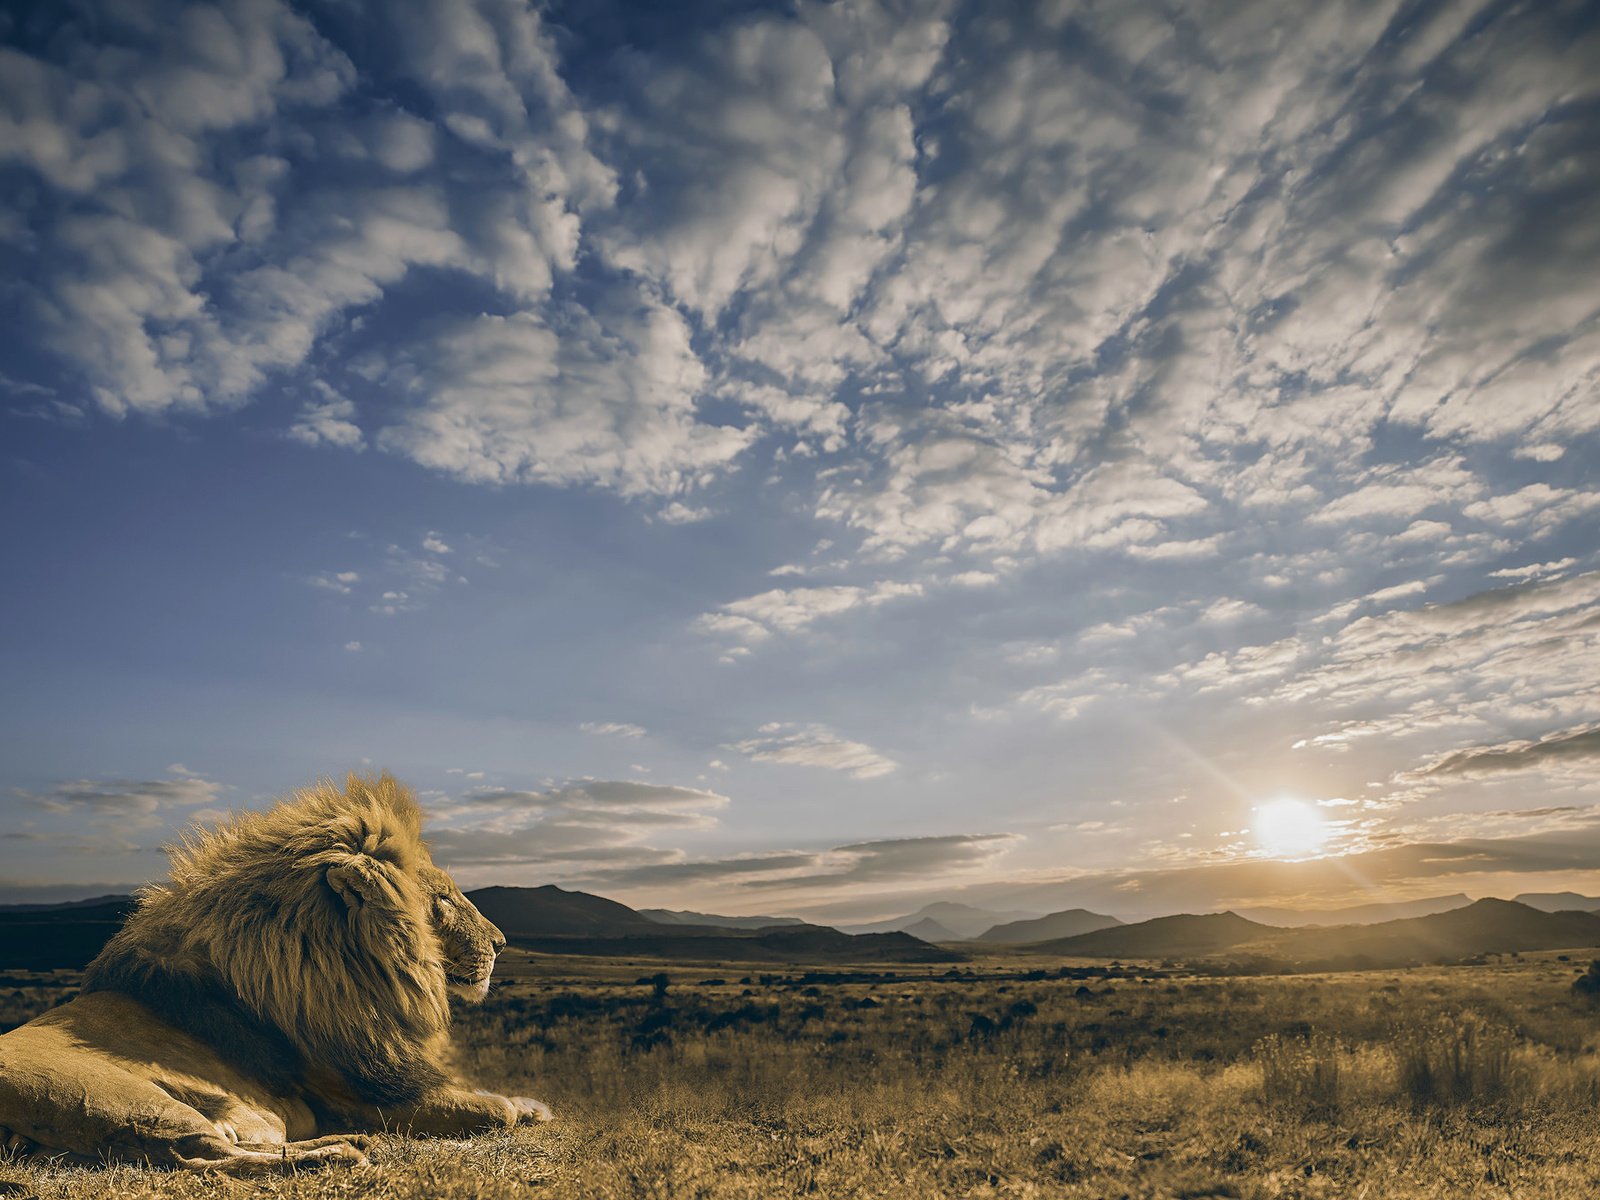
{"x":1013,"y":1077}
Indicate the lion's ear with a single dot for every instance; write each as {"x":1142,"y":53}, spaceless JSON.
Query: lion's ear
{"x":357,"y":880}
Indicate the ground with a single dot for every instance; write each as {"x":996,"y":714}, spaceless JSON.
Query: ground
{"x":1008,"y":1076}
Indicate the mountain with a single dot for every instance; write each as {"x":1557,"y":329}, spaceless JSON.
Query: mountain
{"x":1484,"y":927}
{"x":1068,"y":923}
{"x":550,"y":911}
{"x":1359,"y":914}
{"x":1559,"y":901}
{"x":777,"y":944}
{"x":47,"y":937}
{"x":962,"y":920}
{"x":1185,"y":935}
{"x":551,"y":920}
{"x":930,"y":930}
{"x":669,"y":916}
{"x":68,"y":906}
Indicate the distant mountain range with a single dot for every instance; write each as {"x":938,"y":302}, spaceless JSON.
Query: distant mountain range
{"x":48,"y":937}
{"x":1183,"y":936}
{"x":669,"y":916}
{"x":553,"y":920}
{"x":550,"y":920}
{"x":1361,"y":914}
{"x":958,"y":921}
{"x":1482,"y":927}
{"x":1069,"y":923}
{"x":1559,"y":901}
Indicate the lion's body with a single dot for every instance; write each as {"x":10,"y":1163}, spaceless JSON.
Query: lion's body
{"x":286,"y":989}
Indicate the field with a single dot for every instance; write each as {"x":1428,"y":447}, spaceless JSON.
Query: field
{"x":1004,"y":1077}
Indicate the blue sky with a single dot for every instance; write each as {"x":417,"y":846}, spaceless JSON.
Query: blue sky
{"x":809,"y":458}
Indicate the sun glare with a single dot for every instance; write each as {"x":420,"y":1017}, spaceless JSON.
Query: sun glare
{"x":1290,"y":828}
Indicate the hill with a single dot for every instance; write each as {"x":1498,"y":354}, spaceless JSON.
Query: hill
{"x":961,"y":920}
{"x":1357,"y":914}
{"x":930,"y":930}
{"x":1484,"y":927}
{"x":780,"y":944}
{"x":1559,"y":901}
{"x":46,"y":937}
{"x":669,"y":916}
{"x":1068,"y":923}
{"x":552,"y":920}
{"x":550,"y":911}
{"x":1185,"y":935}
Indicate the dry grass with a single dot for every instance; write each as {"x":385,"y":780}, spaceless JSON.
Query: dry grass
{"x":1461,"y":1082}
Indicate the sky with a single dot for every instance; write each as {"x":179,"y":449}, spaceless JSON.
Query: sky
{"x":810,"y":459}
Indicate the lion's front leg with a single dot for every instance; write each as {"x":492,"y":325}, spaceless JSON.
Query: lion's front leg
{"x":456,"y":1112}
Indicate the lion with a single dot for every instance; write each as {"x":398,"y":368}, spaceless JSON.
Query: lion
{"x":284,"y":992}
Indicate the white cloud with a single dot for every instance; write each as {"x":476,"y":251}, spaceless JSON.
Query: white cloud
{"x":1225,"y":611}
{"x":342,"y":582}
{"x":815,"y":746}
{"x":567,"y":829}
{"x":974,"y":579}
{"x":517,"y":399}
{"x":679,"y":513}
{"x":115,"y":804}
{"x":1534,"y":570}
{"x":612,"y":729}
{"x":1013,"y":304}
{"x":330,"y":421}
{"x":792,"y":610}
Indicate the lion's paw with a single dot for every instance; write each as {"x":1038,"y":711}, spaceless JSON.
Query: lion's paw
{"x":531,"y":1112}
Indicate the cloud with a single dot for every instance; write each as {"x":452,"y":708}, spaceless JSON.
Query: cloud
{"x":1568,"y":749}
{"x":1515,"y":654}
{"x":860,"y":864}
{"x":564,"y":829}
{"x":605,"y":398}
{"x":342,"y":582}
{"x":1225,"y":611}
{"x":613,"y":729}
{"x":330,"y":421}
{"x":1091,"y":282}
{"x":815,"y":746}
{"x":792,"y":610}
{"x":1488,"y":865}
{"x":974,"y":579}
{"x":117,"y":804}
{"x":1534,"y":570}
{"x":679,"y":513}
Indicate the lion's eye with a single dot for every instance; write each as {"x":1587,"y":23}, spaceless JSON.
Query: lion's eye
{"x":443,"y":905}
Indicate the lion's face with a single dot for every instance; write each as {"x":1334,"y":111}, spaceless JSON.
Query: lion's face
{"x":470,"y":940}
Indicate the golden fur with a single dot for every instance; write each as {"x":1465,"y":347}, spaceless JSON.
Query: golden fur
{"x":286,"y":988}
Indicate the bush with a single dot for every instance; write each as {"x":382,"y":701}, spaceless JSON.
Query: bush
{"x":1301,"y":1073}
{"x":1587,"y":985}
{"x":1455,"y":1060}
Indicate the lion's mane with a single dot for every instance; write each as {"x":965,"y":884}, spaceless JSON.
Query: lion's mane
{"x":299,"y":939}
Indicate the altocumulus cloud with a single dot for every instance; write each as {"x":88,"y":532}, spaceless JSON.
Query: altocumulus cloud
{"x":1113,"y":294}
{"x":815,"y":746}
{"x":113,"y":803}
{"x":566,"y":829}
{"x":1147,"y":268}
{"x":845,"y":868}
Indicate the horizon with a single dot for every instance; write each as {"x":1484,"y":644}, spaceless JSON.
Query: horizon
{"x":810,"y":459}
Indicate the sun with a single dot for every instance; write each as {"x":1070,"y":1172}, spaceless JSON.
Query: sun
{"x":1290,"y":828}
